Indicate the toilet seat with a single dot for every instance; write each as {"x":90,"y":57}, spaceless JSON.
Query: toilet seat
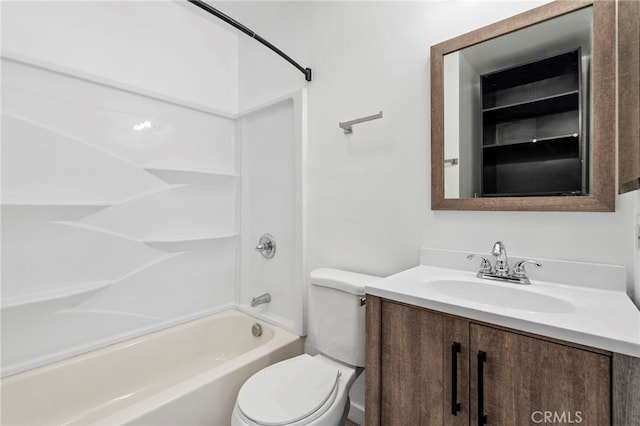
{"x":297,"y":389}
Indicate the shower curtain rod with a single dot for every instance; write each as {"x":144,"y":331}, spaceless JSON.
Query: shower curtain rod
{"x":206,"y":7}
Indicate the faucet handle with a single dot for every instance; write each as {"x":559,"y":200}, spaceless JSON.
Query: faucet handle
{"x":518,"y":268}
{"x":266,"y":246}
{"x":485,"y":265}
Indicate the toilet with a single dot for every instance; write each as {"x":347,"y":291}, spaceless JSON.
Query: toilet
{"x":314,"y":390}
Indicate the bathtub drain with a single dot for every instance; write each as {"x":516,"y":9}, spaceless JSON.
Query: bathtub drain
{"x":256,"y":330}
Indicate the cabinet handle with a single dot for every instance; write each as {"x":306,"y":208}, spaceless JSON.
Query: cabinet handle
{"x":482,"y":417}
{"x":455,"y":404}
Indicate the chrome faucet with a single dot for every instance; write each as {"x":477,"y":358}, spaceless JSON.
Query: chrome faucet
{"x":263,"y":298}
{"x":501,"y":271}
{"x":502,"y":263}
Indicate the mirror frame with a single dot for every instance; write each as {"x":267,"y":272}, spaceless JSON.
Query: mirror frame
{"x":603,"y":117}
{"x":628,"y":96}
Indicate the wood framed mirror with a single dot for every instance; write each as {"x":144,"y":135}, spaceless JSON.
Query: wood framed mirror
{"x":523,"y":112}
{"x":628,"y":96}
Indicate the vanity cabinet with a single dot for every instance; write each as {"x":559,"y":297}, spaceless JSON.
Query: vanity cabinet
{"x":516,"y":379}
{"x":429,"y":368}
{"x":532,"y":138}
{"x":412,"y":356}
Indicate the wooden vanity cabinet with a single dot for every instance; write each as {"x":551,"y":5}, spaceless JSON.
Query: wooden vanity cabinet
{"x":525,"y":377}
{"x":412,"y":355}
{"x":404,"y":383}
{"x":429,"y":368}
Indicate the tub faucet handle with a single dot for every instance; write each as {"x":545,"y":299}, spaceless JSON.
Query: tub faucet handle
{"x":266,"y":246}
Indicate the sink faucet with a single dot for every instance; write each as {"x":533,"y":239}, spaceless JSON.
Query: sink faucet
{"x":502,"y":263}
{"x":501,"y":271}
{"x":263,"y":298}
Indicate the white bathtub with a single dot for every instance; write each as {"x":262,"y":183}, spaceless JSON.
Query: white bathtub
{"x":185,"y":375}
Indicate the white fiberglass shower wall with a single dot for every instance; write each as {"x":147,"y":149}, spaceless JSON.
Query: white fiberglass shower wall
{"x":121,"y":189}
{"x":272,"y":142}
{"x":119,"y":214}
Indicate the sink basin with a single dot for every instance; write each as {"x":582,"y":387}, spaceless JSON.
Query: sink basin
{"x":506,"y":297}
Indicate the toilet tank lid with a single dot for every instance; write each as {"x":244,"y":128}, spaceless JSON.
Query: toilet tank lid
{"x":350,"y":282}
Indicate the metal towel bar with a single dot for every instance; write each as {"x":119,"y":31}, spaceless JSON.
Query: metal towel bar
{"x":347,"y":125}
{"x":452,"y":161}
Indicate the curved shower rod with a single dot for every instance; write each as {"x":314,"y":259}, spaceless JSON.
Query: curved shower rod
{"x":206,"y":7}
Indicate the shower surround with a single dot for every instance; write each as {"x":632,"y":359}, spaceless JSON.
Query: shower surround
{"x":119,"y":214}
{"x":127,"y":210}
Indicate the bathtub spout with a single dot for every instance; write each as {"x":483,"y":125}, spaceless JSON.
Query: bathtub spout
{"x":263,"y":298}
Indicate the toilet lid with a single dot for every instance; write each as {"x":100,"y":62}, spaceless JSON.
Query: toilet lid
{"x":288,"y":391}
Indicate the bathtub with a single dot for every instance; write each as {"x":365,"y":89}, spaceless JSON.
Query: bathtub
{"x":185,"y":375}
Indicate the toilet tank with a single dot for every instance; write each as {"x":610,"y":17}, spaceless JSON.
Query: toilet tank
{"x":337,"y":313}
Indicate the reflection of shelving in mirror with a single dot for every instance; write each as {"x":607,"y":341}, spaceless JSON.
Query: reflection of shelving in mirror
{"x":557,"y":102}
{"x":514,"y":141}
{"x":532,"y":128}
{"x":549,"y":167}
{"x":532,"y":81}
{"x":546,"y":118}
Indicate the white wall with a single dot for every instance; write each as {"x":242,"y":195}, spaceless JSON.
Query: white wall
{"x":369,"y":192}
{"x":156,"y":45}
{"x":470,"y":129}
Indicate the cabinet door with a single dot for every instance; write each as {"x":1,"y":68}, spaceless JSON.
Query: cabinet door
{"x":519,"y":380}
{"x":411,"y":376}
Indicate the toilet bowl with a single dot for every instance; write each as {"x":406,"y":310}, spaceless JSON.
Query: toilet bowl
{"x":313,"y":390}
{"x":304,"y":390}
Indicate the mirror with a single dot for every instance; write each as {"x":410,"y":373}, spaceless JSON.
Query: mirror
{"x":523,"y":112}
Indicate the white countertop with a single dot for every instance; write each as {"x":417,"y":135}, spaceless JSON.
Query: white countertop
{"x":601,"y":318}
